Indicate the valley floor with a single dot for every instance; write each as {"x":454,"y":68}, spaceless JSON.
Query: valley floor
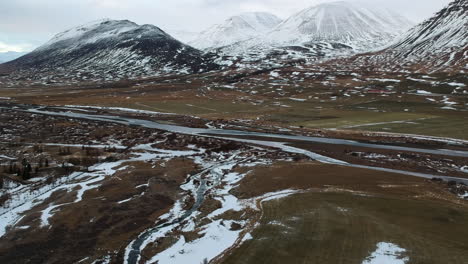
{"x":295,"y":165}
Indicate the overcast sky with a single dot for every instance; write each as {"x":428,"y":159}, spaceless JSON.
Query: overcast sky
{"x":26,"y":24}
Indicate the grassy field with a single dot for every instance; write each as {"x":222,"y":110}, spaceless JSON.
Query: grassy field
{"x":345,"y":228}
{"x":345,"y":212}
{"x":331,"y":118}
{"x":197,"y":107}
{"x":411,"y":117}
{"x":441,"y":126}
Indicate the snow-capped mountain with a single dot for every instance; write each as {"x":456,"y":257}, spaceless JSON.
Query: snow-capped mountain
{"x":324,"y":31}
{"x":111,"y":49}
{"x":235,"y":29}
{"x":10,"y":55}
{"x":358,"y":26}
{"x":439,"y":43}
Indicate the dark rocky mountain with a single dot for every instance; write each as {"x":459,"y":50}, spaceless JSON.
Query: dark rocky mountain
{"x":110,"y":50}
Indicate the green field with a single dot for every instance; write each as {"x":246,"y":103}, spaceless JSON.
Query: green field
{"x":421,"y":119}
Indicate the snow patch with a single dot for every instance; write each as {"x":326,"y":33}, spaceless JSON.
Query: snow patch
{"x":217,"y":238}
{"x":387,"y":253}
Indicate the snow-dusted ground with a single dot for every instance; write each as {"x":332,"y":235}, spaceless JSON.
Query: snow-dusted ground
{"x":24,"y":198}
{"x":387,"y":253}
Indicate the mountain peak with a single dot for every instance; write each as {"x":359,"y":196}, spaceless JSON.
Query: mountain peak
{"x":96,"y":30}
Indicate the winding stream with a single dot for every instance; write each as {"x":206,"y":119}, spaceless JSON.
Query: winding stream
{"x":231,"y":135}
{"x":133,"y":255}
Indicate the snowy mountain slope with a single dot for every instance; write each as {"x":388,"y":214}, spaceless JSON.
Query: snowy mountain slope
{"x":110,"y":49}
{"x":439,"y":43}
{"x":261,"y":21}
{"x":443,"y":39}
{"x":237,"y":28}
